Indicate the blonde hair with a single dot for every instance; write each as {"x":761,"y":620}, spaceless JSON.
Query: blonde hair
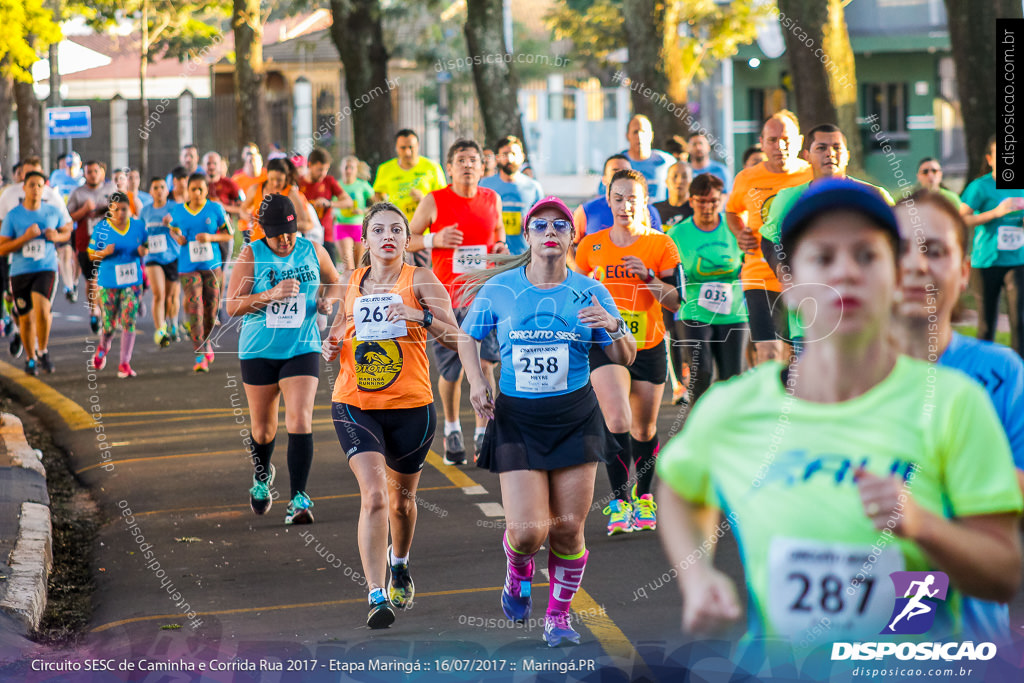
{"x":380,"y":207}
{"x":474,"y":280}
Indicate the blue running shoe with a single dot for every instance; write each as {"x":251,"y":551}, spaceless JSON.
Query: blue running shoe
{"x":382,"y":614}
{"x":557,"y":629}
{"x":517,"y":602}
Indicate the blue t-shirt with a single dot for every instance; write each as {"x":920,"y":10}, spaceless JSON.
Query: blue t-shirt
{"x":39,"y":254}
{"x":123,"y":268}
{"x":545,"y":349}
{"x":144,"y":197}
{"x":282,"y":329}
{"x":62,"y":181}
{"x":1001,"y":371}
{"x":994,"y":241}
{"x":599,"y":215}
{"x":718,"y":170}
{"x":162,"y":247}
{"x":655,"y":169}
{"x":517,"y":198}
{"x":209,"y":219}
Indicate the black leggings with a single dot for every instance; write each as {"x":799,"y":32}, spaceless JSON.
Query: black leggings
{"x":718,"y":345}
{"x":992,"y":282}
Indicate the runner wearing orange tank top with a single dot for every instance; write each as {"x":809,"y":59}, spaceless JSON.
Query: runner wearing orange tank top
{"x":465,"y":225}
{"x":641,"y":269}
{"x":382,"y":405}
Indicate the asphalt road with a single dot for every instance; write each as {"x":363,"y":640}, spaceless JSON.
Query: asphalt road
{"x":165,"y":462}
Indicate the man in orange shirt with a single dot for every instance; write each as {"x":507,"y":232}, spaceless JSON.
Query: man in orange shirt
{"x":751,"y":198}
{"x":251,"y":175}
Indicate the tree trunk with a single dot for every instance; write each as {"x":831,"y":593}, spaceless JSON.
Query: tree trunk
{"x":972,"y":37}
{"x":359,"y":39}
{"x":143,"y":102}
{"x":497,"y":85}
{"x":652,"y":93}
{"x":820,"y":52}
{"x":30,"y":134}
{"x":6,"y":100}
{"x":250,"y":78}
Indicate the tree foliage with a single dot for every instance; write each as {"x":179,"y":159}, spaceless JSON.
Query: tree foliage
{"x":177,"y":29}
{"x":28,"y":30}
{"x":696,"y":33}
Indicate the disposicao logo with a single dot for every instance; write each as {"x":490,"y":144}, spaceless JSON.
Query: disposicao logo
{"x":917,"y":598}
{"x":914,"y":613}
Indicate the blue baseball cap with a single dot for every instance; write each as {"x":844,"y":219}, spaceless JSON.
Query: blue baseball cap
{"x":838,"y":194}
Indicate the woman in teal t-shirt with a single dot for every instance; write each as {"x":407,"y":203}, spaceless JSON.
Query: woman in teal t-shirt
{"x":996,"y":216}
{"x":713,"y":320}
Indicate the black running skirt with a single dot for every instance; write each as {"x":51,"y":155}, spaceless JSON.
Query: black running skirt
{"x":546,"y":433}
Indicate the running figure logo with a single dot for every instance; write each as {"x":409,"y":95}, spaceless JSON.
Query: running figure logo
{"x":914,"y":612}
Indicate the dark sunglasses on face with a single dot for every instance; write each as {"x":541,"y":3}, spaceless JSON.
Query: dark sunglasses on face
{"x":930,"y":170}
{"x":541,"y":225}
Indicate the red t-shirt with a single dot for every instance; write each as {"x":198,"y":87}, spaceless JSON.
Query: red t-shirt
{"x":226,"y":191}
{"x":328,"y":188}
{"x":478,"y":219}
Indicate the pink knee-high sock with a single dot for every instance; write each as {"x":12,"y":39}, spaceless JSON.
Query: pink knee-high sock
{"x":127,"y":345}
{"x":566,"y":576}
{"x":520,"y":565}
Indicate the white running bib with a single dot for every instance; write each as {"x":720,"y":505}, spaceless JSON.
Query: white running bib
{"x":35,"y":250}
{"x":541,"y":368}
{"x":370,"y":314}
{"x":809,"y":581}
{"x":1010,"y":238}
{"x":157,"y":244}
{"x":126,"y":273}
{"x":286,"y":313}
{"x":716,"y":297}
{"x":199,"y":252}
{"x":466,"y":259}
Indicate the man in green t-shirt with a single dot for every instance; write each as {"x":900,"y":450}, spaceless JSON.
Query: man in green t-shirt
{"x":826,"y":151}
{"x":713,"y":319}
{"x":929,"y":177}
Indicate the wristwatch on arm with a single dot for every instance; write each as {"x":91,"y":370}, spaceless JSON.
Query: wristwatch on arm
{"x":619,"y":332}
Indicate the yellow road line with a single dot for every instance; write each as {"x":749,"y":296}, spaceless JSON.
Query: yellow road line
{"x":454,"y":474}
{"x":213,"y":508}
{"x":73,"y":414}
{"x":155,"y":457}
{"x":301,"y":605}
{"x":197,"y":433}
{"x":612,"y":639}
{"x":190,"y":411}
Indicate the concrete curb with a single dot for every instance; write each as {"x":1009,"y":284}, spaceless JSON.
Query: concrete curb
{"x":31,"y":561}
{"x":12,"y":432}
{"x":24,"y":596}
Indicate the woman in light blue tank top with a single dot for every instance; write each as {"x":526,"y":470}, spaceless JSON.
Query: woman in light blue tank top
{"x":278,"y":285}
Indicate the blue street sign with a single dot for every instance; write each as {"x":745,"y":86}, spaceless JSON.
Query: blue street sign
{"x":69,"y":122}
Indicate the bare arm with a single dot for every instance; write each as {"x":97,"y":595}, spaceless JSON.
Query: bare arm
{"x":981,"y":553}
{"x":426,"y":214}
{"x":744,"y":235}
{"x":974,"y":219}
{"x":710,"y":602}
{"x":432,"y":294}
